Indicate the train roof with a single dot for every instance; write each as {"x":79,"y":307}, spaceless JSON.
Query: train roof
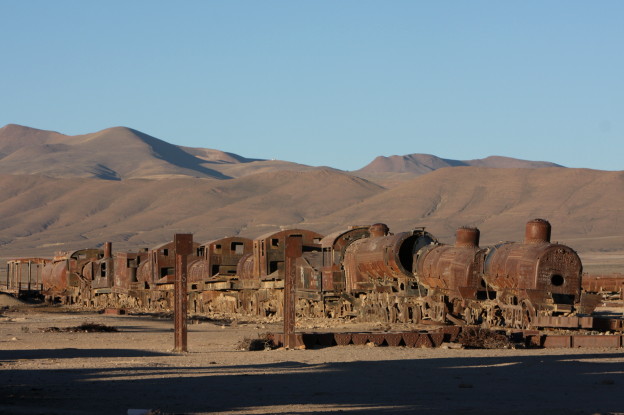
{"x":286,"y":232}
{"x":227,"y":239}
{"x":68,"y":254}
{"x":170,"y":244}
{"x":26,"y":260}
{"x":331,"y":239}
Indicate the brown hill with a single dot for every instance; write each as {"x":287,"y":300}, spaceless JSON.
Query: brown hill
{"x":584,"y":206}
{"x":54,"y":198}
{"x":113,"y":154}
{"x":394,"y":170}
{"x":425,"y":163}
{"x":39,"y":215}
{"x":216,"y":156}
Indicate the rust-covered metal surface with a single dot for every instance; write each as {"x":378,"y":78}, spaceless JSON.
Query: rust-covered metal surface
{"x":25,"y":274}
{"x":126,"y":268}
{"x":363,"y":272}
{"x":245,"y":271}
{"x":334,"y":247}
{"x":453,"y":269}
{"x":552,"y":267}
{"x":219,"y":258}
{"x":269,"y":253}
{"x":68,"y":271}
{"x":383,"y":260}
{"x":446,"y":336}
{"x":159,"y":264}
{"x":536,"y":269}
{"x":604,"y":283}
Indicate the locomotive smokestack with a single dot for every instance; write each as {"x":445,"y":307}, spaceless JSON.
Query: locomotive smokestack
{"x":108,"y":250}
{"x":537,"y":231}
{"x":466,"y":237}
{"x":379,"y":229}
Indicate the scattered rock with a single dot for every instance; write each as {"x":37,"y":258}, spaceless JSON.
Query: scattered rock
{"x":452,"y":346}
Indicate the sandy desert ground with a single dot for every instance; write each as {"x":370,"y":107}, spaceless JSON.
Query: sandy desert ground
{"x":135,"y":369}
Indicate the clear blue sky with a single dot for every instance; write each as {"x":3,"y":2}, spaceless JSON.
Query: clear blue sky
{"x":333,"y":83}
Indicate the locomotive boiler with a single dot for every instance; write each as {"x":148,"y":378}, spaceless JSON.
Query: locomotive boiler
{"x":363,"y":272}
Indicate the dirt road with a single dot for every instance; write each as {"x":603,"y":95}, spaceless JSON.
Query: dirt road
{"x":134,"y":368}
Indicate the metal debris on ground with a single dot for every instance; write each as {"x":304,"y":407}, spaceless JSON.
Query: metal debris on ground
{"x":262,"y":342}
{"x":478,"y":338}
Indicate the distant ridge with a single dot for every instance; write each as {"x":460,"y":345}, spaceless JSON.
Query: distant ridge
{"x":112,"y":154}
{"x":120,"y":153}
{"x":424,"y":163}
{"x":71,"y":192}
{"x":217,"y":156}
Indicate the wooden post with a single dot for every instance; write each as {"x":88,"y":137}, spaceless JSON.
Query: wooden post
{"x":183,"y":247}
{"x":294,"y":249}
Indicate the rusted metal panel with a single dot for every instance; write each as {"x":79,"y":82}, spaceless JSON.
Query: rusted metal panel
{"x":269,"y":251}
{"x":546,"y":274}
{"x":359,"y":339}
{"x":378,"y":339}
{"x":383,"y":260}
{"x":25,"y":274}
{"x":450,"y":333}
{"x":334,"y":247}
{"x":410,"y":338}
{"x":562,"y":321}
{"x":219,"y":258}
{"x":606,"y":341}
{"x":245,"y":271}
{"x":550,"y":267}
{"x":556,"y":341}
{"x":159,"y":264}
{"x":451,"y":269}
{"x":308,"y":271}
{"x":537,"y":231}
{"x":603,"y":283}
{"x":608,"y":324}
{"x":63,"y":276}
{"x":436,"y":339}
{"x":343,"y":339}
{"x":394,"y":339}
{"x":536,"y":264}
{"x":118,"y":270}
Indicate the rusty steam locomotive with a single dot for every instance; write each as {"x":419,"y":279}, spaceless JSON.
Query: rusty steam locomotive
{"x":362,"y":272}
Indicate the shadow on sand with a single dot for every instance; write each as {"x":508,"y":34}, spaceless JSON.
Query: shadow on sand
{"x":577,"y":384}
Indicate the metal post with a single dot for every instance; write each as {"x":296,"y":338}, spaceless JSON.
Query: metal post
{"x":294,"y":249}
{"x":183,"y":244}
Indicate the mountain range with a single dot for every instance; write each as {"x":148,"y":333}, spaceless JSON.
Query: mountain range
{"x":64,"y":192}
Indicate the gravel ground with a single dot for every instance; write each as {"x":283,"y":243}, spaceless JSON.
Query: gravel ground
{"x":135,"y":369}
